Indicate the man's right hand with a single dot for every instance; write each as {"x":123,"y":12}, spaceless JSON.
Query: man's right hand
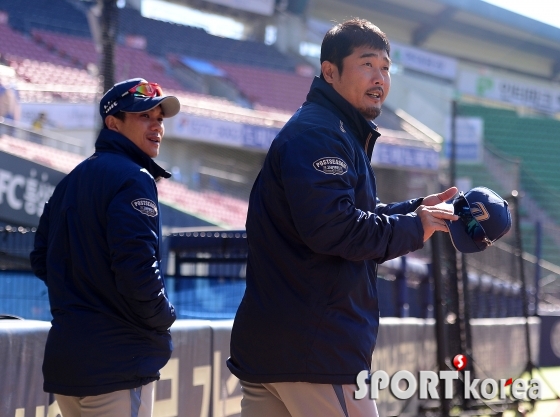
{"x":433,"y":218}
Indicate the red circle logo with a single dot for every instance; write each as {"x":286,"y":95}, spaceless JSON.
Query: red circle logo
{"x":460,"y":362}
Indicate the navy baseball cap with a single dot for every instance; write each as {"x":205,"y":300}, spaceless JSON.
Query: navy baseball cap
{"x":135,"y":96}
{"x":484,"y":218}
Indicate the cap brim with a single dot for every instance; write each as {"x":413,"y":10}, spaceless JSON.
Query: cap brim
{"x":169,"y":104}
{"x":459,"y":237}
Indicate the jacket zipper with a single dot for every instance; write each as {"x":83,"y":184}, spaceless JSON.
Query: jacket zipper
{"x":367,"y":142}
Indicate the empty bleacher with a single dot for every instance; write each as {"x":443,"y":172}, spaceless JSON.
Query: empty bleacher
{"x":64,"y":16}
{"x":57,"y":32}
{"x":163,"y":38}
{"x":268,"y":87}
{"x":79,"y":49}
{"x":69,"y":17}
{"x":48,"y":82}
{"x":48,"y":73}
{"x":129,"y":62}
{"x":15,"y":46}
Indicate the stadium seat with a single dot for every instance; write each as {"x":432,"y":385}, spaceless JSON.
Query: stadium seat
{"x":56,"y":15}
{"x":15,"y":46}
{"x":267,"y":87}
{"x":163,"y":38}
{"x":129,"y":62}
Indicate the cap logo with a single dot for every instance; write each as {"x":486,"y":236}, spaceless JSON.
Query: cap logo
{"x":145,"y":206}
{"x":110,"y":106}
{"x":332,"y":166}
{"x":479,"y":212}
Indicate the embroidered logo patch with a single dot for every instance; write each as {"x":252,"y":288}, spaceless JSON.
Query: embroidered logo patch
{"x":479,"y":212}
{"x":145,"y":206}
{"x":332,"y":166}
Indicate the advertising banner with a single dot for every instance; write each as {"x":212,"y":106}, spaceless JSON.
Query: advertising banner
{"x":25,"y":187}
{"x":221,"y":132}
{"x":405,"y":156}
{"x":469,"y":140}
{"x":550,"y":340}
{"x":264,"y":7}
{"x":197,"y":383}
{"x":424,"y":61}
{"x":512,"y":90}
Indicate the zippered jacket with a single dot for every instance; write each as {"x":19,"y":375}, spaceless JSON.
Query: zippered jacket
{"x":97,"y":248}
{"x":316,"y":232}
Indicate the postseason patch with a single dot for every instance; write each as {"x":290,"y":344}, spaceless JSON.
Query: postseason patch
{"x":145,"y":206}
{"x":332,"y":166}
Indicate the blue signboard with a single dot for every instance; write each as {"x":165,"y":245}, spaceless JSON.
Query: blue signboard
{"x":469,"y":140}
{"x":405,"y":156}
{"x":25,"y":187}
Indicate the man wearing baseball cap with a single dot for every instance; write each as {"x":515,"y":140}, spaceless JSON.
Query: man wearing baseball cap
{"x":98,"y":250}
{"x":308,"y":321}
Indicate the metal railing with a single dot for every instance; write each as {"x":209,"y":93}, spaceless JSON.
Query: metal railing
{"x":51,"y":139}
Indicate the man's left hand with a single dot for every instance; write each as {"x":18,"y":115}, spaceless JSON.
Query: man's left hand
{"x":435,"y":199}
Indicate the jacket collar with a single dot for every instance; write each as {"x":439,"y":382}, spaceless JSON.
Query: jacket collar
{"x":111,"y":141}
{"x":323,"y":94}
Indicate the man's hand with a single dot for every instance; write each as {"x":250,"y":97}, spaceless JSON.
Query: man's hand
{"x":435,"y":199}
{"x":433,"y":217}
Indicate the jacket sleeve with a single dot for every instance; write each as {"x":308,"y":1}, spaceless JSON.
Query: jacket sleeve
{"x":323,"y":205}
{"x":404,"y":207}
{"x":133,"y":238}
{"x":38,"y":256}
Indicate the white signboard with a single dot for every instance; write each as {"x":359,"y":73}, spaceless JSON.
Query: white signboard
{"x":61,"y":115}
{"x":405,"y":156}
{"x":469,"y":140}
{"x":538,"y":96}
{"x":264,"y":7}
{"x":187,"y":126}
{"x":423,"y":61}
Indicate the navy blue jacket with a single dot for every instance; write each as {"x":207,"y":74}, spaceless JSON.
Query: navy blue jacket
{"x":316,"y":233}
{"x":97,"y":248}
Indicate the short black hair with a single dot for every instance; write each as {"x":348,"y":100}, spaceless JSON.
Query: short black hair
{"x":119,"y":115}
{"x":341,"y":40}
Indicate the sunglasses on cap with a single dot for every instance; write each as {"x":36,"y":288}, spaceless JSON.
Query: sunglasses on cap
{"x":146,"y":89}
{"x":473,"y":228}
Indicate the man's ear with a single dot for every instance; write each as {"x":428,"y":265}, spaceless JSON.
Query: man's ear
{"x":112,"y":123}
{"x":329,"y":71}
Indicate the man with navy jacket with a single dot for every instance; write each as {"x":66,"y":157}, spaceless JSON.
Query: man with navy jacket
{"x":307,"y":324}
{"x":97,"y":248}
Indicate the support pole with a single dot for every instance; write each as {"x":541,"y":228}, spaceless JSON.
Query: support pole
{"x":108,"y":24}
{"x":440,"y":312}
